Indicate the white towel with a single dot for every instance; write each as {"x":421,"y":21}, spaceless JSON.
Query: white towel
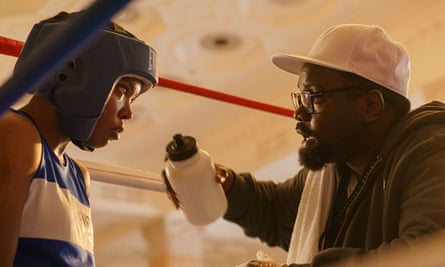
{"x":312,"y":215}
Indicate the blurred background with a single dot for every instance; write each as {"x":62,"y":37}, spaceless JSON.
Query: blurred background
{"x":226,"y":46}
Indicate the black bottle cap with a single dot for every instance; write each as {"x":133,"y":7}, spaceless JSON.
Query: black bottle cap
{"x":181,"y":148}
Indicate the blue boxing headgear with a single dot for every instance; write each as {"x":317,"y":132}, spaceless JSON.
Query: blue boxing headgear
{"x":81,"y":88}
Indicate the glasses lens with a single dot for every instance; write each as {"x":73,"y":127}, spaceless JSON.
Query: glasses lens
{"x":306,"y":101}
{"x":295,"y":100}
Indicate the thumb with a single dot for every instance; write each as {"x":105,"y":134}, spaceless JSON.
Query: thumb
{"x":171,"y":194}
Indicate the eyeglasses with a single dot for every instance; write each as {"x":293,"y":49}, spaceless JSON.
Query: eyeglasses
{"x":306,"y":98}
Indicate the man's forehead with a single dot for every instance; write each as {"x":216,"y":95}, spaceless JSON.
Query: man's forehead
{"x":302,"y":76}
{"x":306,"y":79}
{"x":319,"y":76}
{"x":309,"y":74}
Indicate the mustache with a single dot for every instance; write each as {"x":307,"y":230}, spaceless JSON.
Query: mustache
{"x":303,"y":130}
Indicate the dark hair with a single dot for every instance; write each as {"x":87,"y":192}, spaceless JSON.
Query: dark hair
{"x":398,"y":103}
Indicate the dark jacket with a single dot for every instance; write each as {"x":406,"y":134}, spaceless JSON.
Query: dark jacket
{"x":400,"y":197}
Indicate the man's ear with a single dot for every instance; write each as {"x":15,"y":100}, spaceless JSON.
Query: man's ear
{"x":375,"y":105}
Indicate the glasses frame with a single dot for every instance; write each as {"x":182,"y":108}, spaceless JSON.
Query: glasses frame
{"x":310,"y":109}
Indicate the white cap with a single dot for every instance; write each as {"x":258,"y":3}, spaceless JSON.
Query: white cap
{"x":365,"y":50}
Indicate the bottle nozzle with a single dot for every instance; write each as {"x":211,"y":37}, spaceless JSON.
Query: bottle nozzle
{"x":181,"y":147}
{"x":179,"y":141}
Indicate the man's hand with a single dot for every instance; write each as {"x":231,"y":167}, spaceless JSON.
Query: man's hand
{"x":171,"y":194}
{"x":264,"y":263}
{"x":224,"y":176}
{"x":262,"y":260}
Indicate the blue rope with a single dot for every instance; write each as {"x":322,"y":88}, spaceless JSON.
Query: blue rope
{"x":58,"y":49}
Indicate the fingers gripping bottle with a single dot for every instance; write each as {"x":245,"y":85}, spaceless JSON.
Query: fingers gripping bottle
{"x":191,"y":173}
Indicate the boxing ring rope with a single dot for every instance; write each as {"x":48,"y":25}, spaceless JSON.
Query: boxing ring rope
{"x":10,"y":47}
{"x":124,"y":176}
{"x":224,"y":97}
{"x":13,"y":47}
{"x":58,"y":49}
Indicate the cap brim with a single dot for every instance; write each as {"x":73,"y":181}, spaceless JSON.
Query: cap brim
{"x":293,"y":64}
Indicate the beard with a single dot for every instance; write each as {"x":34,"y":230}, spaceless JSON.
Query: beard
{"x":313,"y":155}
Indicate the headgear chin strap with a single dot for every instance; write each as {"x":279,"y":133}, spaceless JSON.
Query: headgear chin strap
{"x":81,"y":88}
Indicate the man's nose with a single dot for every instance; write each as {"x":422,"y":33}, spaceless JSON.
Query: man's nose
{"x":300,"y":114}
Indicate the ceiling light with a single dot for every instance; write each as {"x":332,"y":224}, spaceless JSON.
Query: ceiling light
{"x":220,"y":41}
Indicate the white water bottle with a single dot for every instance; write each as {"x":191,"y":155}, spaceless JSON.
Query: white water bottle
{"x":191,"y":173}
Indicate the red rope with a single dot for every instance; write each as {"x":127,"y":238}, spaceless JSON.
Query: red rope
{"x":224,"y":97}
{"x":10,"y":47}
{"x":13,"y":47}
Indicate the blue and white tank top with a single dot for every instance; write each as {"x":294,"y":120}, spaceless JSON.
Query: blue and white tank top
{"x":56,"y":227}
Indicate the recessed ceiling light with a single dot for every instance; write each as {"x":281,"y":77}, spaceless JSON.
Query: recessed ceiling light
{"x":220,"y":41}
